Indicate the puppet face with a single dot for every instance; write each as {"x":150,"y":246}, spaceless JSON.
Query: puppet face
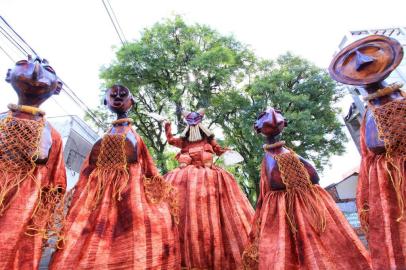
{"x":193,"y":118}
{"x":270,"y":122}
{"x":366,"y":61}
{"x":34,"y":78}
{"x":119,"y":99}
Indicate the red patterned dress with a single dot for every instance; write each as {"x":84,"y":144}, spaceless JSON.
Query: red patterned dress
{"x":382,"y":189}
{"x":215,"y":216}
{"x":120,"y":217}
{"x":30,"y":192}
{"x":300,"y":227}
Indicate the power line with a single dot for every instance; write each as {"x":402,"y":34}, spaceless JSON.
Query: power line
{"x":12,"y":41}
{"x":13,"y":61}
{"x":8,"y":55}
{"x":11,"y":28}
{"x":115,"y":17}
{"x":52,"y":97}
{"x":81,"y":104}
{"x":122,"y":39}
{"x":57,"y":103}
{"x":71,"y":94}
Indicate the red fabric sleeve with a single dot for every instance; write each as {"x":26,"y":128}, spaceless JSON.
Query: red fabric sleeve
{"x":217,"y":148}
{"x":145,"y":158}
{"x":177,"y":142}
{"x":56,"y":173}
{"x":363,"y":180}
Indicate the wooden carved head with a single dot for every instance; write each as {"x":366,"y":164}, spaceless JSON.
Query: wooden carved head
{"x":34,"y":81}
{"x":270,"y":122}
{"x":193,"y":118}
{"x":366,"y":61}
{"x":119,"y":99}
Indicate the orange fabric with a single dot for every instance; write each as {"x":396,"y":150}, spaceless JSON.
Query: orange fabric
{"x":30,"y":210}
{"x":130,"y":233}
{"x":111,"y":168}
{"x":210,"y":145}
{"x":214,"y":216}
{"x":19,"y":140}
{"x":278,"y":247}
{"x":298,"y":184}
{"x":378,"y":205}
{"x":390,"y":120}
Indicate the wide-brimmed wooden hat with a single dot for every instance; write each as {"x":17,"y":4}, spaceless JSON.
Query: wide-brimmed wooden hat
{"x":367,"y":60}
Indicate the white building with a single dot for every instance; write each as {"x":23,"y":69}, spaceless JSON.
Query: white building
{"x":344,"y":194}
{"x":78,"y":139}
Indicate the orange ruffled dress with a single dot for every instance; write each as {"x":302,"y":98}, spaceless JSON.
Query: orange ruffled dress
{"x":300,"y":227}
{"x":119,"y":216}
{"x":215,"y":216}
{"x":381,"y":188}
{"x":29,"y":192}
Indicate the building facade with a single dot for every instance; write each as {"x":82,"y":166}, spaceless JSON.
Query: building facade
{"x":357,"y":108}
{"x":344,"y":194}
{"x":78,"y":139}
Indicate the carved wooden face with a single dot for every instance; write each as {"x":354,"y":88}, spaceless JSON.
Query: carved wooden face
{"x":366,"y":61}
{"x":119,"y":99}
{"x":34,"y":78}
{"x":193,"y":118}
{"x":270,"y":122}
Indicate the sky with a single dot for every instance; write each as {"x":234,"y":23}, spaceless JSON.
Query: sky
{"x":77,"y":37}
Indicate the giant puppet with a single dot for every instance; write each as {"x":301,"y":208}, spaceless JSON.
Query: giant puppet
{"x":215,"y":216}
{"x":381,"y":186}
{"x":123,"y":214}
{"x":297,"y":224}
{"x":32,"y":172}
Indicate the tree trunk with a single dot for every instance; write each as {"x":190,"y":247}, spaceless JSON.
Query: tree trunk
{"x":179,"y":119}
{"x":161,"y":162}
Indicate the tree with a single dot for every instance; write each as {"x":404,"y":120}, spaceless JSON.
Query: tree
{"x":174,"y":65}
{"x":306,"y":96}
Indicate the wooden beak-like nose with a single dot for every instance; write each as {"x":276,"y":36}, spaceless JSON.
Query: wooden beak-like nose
{"x":274,"y":123}
{"x":35,"y":72}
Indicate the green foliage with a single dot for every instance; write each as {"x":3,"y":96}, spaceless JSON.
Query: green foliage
{"x":175,"y":65}
{"x":304,"y":93}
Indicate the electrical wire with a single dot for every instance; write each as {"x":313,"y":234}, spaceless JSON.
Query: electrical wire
{"x":115,"y":18}
{"x":11,"y":28}
{"x":112,"y":21}
{"x":71,"y":94}
{"x":13,"y":41}
{"x":8,"y":55}
{"x":52,"y":97}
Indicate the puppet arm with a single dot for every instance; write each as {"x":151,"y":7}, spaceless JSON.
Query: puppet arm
{"x":217,"y":148}
{"x":177,"y":142}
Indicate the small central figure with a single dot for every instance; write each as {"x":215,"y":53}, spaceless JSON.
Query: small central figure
{"x":215,"y":216}
{"x":120,"y":216}
{"x":297,"y":224}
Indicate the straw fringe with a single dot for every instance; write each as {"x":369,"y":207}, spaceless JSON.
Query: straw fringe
{"x":364,"y":217}
{"x":48,"y":218}
{"x":111,"y":169}
{"x":194,"y":132}
{"x":20,"y":142}
{"x":158,"y":190}
{"x":250,"y":256}
{"x":299,"y":186}
{"x":395,"y":145}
